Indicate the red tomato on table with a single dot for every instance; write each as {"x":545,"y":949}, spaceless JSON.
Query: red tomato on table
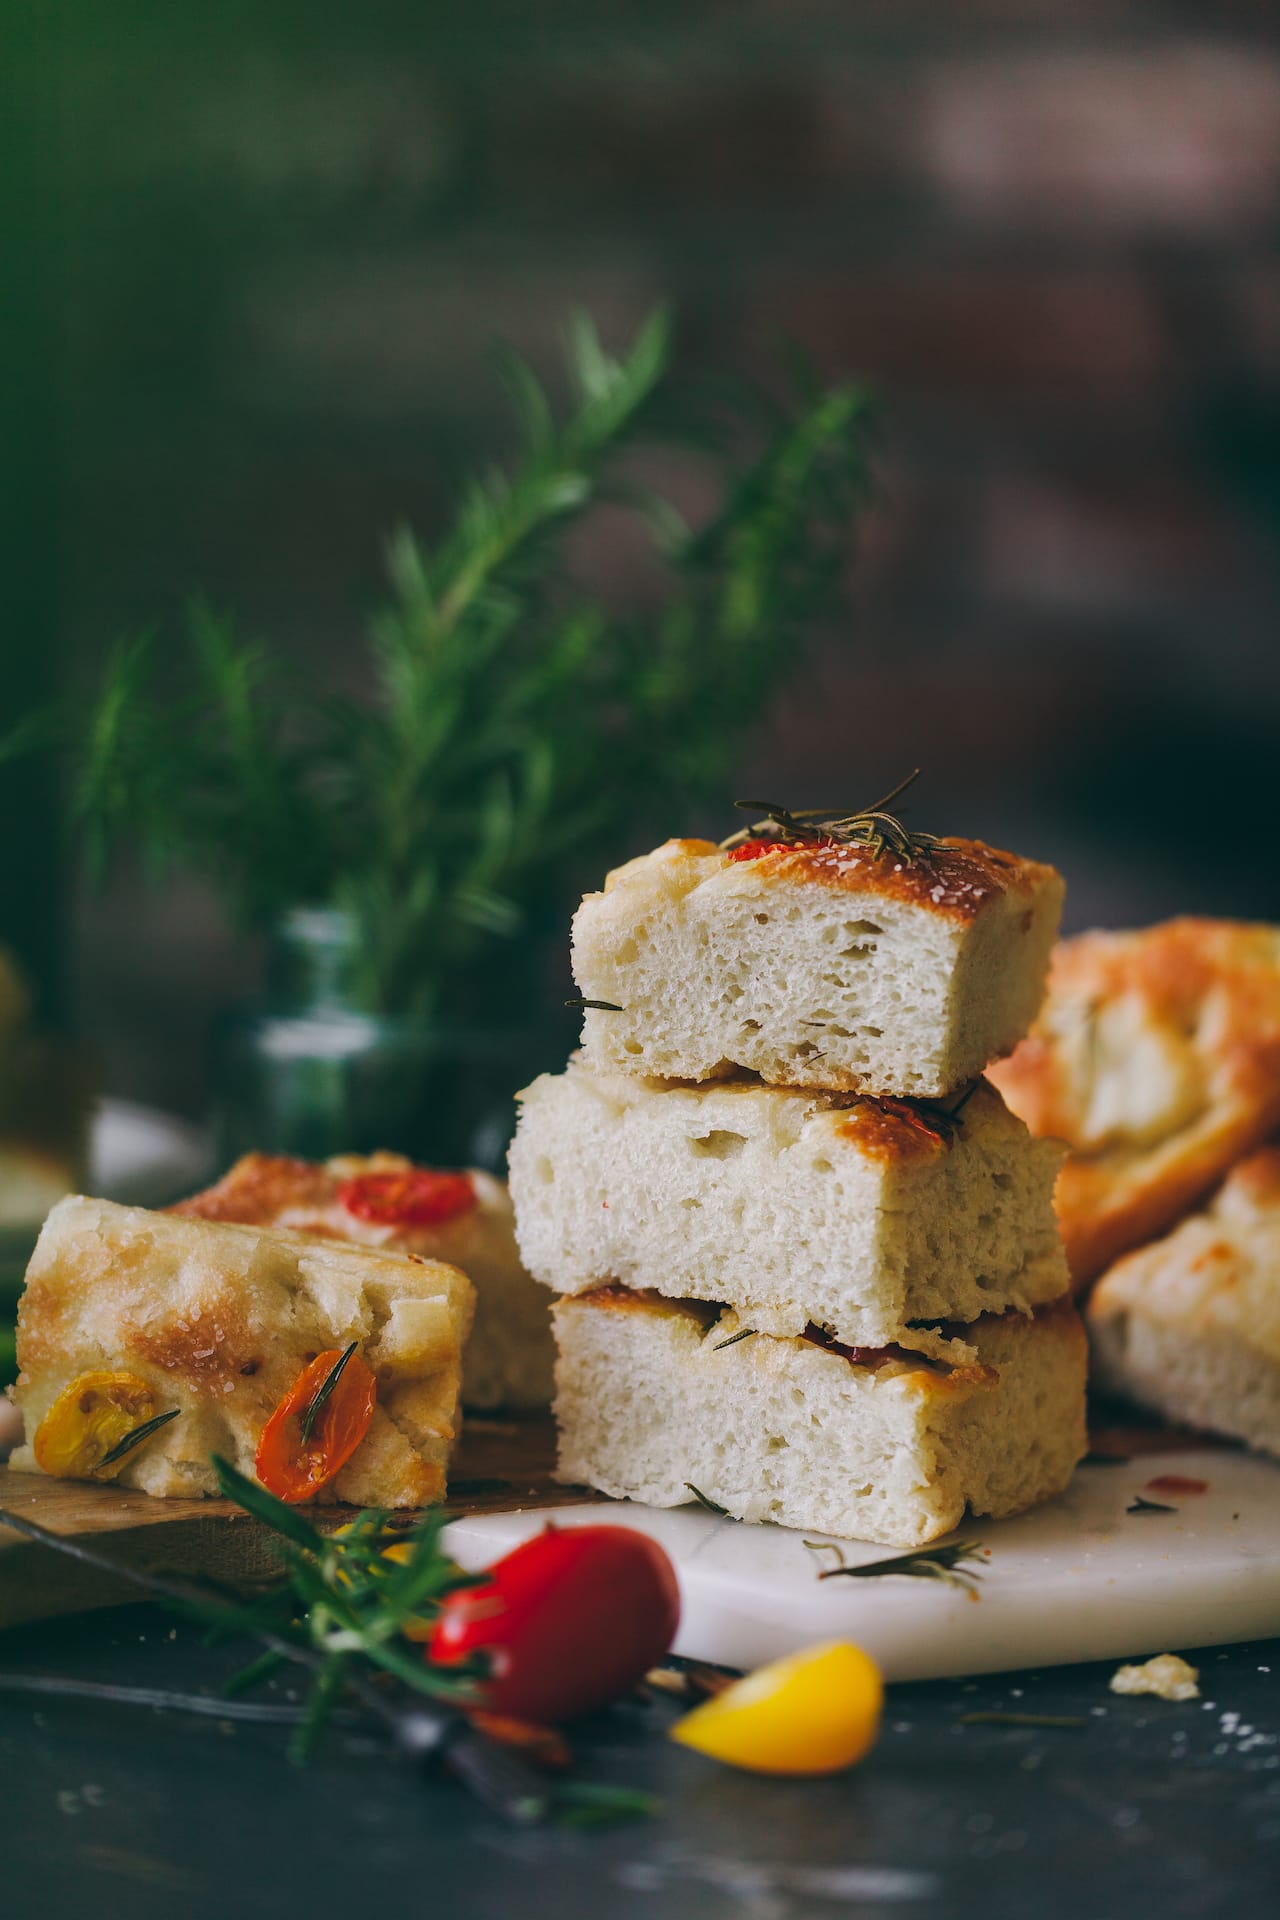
{"x":570,"y":1620}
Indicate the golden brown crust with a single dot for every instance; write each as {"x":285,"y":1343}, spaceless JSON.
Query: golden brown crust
{"x":1157,"y":1059}
{"x":956,"y":879}
{"x":259,"y":1187}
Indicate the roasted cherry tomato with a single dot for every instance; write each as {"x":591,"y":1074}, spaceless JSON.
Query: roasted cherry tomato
{"x":90,"y":1417}
{"x":570,"y":1620}
{"x":814,"y":1712}
{"x":417,"y":1198}
{"x":293,"y":1468}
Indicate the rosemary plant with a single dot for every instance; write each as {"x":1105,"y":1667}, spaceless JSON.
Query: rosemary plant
{"x":514,"y":724}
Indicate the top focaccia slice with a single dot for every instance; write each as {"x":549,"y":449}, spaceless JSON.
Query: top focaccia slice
{"x":1157,"y":1059}
{"x":817,"y":965}
{"x":510,"y":1353}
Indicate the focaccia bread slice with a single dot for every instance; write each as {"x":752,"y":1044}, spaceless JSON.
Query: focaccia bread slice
{"x":510,"y":1352}
{"x":219,"y":1320}
{"x":1157,"y":1059}
{"x":1190,"y":1326}
{"x":817,"y":966}
{"x":861,"y":1215}
{"x":651,"y":1402}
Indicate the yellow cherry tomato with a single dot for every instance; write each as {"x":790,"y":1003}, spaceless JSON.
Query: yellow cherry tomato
{"x":90,"y":1417}
{"x":814,"y":1712}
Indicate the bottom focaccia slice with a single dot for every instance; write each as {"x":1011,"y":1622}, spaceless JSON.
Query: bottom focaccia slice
{"x":1190,"y":1325}
{"x":868,"y":1444}
{"x":219,"y":1320}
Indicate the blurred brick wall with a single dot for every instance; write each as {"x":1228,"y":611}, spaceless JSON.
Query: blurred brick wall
{"x":1045,"y":232}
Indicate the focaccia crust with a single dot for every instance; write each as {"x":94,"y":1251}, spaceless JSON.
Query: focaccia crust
{"x":1156,"y":1057}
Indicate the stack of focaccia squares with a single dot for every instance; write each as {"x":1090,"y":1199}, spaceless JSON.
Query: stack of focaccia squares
{"x":807,"y":1258}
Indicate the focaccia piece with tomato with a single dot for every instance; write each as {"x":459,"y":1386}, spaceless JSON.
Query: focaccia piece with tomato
{"x":383,"y":1200}
{"x":655,"y":1397}
{"x":130,"y":1312}
{"x":815,"y":965}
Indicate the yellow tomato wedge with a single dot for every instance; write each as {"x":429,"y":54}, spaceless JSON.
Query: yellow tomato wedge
{"x":814,"y":1712}
{"x":90,"y":1417}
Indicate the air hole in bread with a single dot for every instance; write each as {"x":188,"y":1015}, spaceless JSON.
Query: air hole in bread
{"x":762,"y":919}
{"x":823,"y":1166}
{"x":633,"y":1046}
{"x":719,"y":1145}
{"x":546,"y":1172}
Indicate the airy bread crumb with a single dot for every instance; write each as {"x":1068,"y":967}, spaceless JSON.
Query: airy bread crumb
{"x":651,"y":1401}
{"x":1167,"y":1675}
{"x":787,"y":1205}
{"x":816,"y":966}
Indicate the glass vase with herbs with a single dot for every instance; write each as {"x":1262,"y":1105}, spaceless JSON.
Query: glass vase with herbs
{"x":409,"y":857}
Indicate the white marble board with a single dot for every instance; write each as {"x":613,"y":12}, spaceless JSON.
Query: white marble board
{"x":1079,"y":1579}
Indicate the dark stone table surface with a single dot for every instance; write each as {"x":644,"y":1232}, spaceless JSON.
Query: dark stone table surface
{"x":1149,"y":1808}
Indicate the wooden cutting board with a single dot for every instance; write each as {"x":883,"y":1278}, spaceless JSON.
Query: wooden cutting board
{"x":502,"y":1466}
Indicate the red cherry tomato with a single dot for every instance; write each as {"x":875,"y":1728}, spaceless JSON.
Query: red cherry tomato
{"x":570,"y":1620}
{"x":296,"y":1469}
{"x":418,"y":1198}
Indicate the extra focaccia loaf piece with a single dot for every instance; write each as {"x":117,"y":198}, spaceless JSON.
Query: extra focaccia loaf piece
{"x":650,"y":1402}
{"x":860,"y":1215}
{"x":1190,"y":1326}
{"x":1157,"y":1059}
{"x":383,"y":1200}
{"x":819,"y":966}
{"x":219,"y":1321}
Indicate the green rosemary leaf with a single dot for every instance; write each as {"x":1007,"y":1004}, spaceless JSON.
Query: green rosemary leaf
{"x":1141,"y":1505}
{"x":746,"y":1334}
{"x":702,"y":1500}
{"x":874,"y":827}
{"x":323,"y":1696}
{"x":264,"y":1506}
{"x":136,"y":1438}
{"x":588,"y":1803}
{"x":601,"y":1006}
{"x":323,"y":1391}
{"x":944,"y":1563}
{"x":253,"y":1674}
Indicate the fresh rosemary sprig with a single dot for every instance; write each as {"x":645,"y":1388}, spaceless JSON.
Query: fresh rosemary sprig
{"x":946,"y":1563}
{"x":711,"y":1506}
{"x":136,"y":1438}
{"x":322,"y":1392}
{"x":514,"y":720}
{"x":874,"y":827}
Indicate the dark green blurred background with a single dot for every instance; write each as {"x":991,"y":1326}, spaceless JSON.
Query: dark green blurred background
{"x":252,"y":256}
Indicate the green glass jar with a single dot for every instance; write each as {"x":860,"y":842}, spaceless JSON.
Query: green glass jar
{"x":309,"y":1071}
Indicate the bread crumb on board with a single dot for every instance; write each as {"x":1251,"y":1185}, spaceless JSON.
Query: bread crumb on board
{"x":1166,"y":1675}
